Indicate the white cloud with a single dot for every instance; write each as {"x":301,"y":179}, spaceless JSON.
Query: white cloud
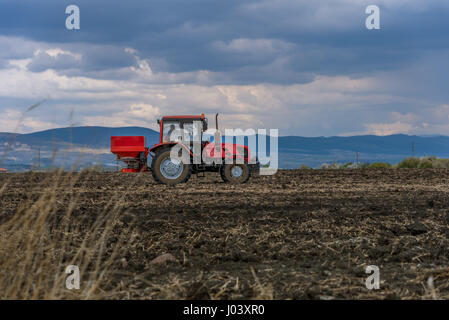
{"x":245,"y":45}
{"x":55,"y":52}
{"x":431,"y":120}
{"x":378,"y":103}
{"x":16,"y":121}
{"x":137,"y":102}
{"x":384,"y":129}
{"x":142,"y":114}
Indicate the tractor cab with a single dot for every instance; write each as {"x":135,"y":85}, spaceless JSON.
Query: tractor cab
{"x":172,"y":126}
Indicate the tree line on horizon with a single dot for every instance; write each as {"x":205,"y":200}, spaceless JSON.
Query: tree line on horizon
{"x":431,"y":162}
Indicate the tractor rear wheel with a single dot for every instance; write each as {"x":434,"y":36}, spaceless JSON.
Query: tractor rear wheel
{"x":235,"y":173}
{"x":169,"y":171}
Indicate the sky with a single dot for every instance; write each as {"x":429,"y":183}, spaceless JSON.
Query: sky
{"x":308,"y":68}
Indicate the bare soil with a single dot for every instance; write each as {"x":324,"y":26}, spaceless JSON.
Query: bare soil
{"x":300,"y":234}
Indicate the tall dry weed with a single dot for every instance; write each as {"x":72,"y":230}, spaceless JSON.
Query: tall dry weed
{"x":47,"y":234}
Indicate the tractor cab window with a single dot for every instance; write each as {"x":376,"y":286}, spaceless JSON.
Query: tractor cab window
{"x":188,"y":132}
{"x":171,"y":131}
{"x":193,"y":131}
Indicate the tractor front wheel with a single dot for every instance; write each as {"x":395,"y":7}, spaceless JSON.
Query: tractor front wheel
{"x":169,"y":171}
{"x":235,"y":173}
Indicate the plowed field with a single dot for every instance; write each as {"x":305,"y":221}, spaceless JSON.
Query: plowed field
{"x":301,"y":234}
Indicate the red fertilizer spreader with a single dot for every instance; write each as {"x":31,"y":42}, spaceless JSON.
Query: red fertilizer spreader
{"x":132,"y":150}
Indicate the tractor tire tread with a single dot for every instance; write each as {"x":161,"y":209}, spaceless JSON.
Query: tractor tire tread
{"x":153,"y":168}
{"x":227,"y":180}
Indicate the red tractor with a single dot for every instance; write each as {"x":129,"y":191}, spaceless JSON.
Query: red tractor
{"x":231,"y":160}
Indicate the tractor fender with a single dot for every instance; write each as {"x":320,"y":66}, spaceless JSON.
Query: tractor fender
{"x":164,"y":145}
{"x":228,"y":151}
{"x":231,"y":151}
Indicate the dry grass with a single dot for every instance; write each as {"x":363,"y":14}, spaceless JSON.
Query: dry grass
{"x":43,"y":237}
{"x":47,"y":233}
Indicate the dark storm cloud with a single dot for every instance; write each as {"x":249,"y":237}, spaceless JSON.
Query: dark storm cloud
{"x":301,"y":37}
{"x":43,"y":61}
{"x":83,"y":59}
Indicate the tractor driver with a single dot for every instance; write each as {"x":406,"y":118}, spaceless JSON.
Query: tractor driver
{"x":167,"y":137}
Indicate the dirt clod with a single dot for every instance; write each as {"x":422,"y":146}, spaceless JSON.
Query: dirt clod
{"x":162,"y":259}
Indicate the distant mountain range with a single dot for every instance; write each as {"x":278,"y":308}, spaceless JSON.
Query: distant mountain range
{"x":80,"y":147}
{"x":84,"y":136}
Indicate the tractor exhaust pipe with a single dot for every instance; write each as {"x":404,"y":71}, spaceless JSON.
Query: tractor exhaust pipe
{"x":217,"y":136}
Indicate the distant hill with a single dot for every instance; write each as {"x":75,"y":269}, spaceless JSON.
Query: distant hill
{"x":85,"y":136}
{"x":72,"y":147}
{"x":90,"y":145}
{"x":393,"y":144}
{"x":370,"y":148}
